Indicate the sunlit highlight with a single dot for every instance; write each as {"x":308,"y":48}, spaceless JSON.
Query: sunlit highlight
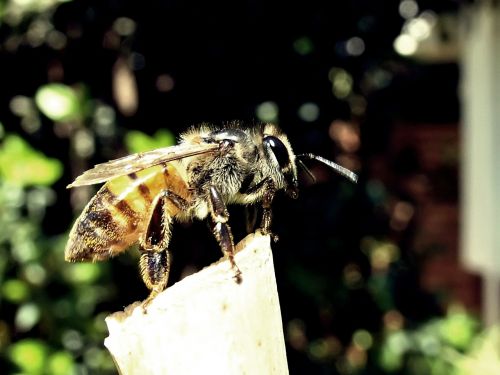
{"x":405,"y":45}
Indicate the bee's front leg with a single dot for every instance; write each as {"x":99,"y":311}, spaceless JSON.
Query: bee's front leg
{"x":267,"y":213}
{"x":155,"y":256}
{"x":221,"y":229}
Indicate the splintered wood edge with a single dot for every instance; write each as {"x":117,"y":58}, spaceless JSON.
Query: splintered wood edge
{"x":207,"y":322}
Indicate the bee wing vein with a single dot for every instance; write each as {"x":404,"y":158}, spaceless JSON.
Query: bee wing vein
{"x":136,"y":162}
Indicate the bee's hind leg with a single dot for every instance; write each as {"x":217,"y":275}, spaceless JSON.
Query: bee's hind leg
{"x":155,"y":257}
{"x":221,"y":229}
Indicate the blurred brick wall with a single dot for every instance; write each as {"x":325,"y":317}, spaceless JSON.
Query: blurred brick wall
{"x":426,"y":157}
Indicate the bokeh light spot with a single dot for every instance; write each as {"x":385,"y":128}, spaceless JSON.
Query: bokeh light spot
{"x":356,"y":358}
{"x":27,"y":316}
{"x":405,"y":45}
{"x":401,"y":215}
{"x":83,"y":143}
{"x":362,"y":339}
{"x":355,"y":46}
{"x":303,"y":46}
{"x":267,"y":111}
{"x":72,"y":340}
{"x":61,"y":363}
{"x":56,"y":40}
{"x":21,"y":106}
{"x":29,"y":355}
{"x":125,"y":88}
{"x":15,"y":290}
{"x":419,"y":28}
{"x":408,"y":8}
{"x":393,"y":320}
{"x":58,"y":102}
{"x":296,"y":335}
{"x":345,"y":134}
{"x":309,"y":112}
{"x":341,"y":82}
{"x":382,"y":255}
{"x":35,"y":273}
{"x":352,"y":276}
{"x":165,"y":83}
{"x":124,"y":26}
{"x":104,"y":117}
{"x":82,"y":273}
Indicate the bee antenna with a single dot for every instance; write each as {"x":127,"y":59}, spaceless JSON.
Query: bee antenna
{"x":337,"y":168}
{"x":307,"y":170}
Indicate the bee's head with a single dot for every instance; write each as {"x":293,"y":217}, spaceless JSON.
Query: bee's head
{"x":280,"y":155}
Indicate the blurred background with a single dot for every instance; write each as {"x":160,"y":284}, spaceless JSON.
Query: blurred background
{"x":398,"y":274}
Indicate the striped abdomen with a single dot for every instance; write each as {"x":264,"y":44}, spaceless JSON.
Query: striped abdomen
{"x":119,"y":213}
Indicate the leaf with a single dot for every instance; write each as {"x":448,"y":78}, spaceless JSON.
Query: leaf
{"x":21,"y":164}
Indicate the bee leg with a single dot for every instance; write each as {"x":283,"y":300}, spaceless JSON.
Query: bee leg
{"x":267,"y":213}
{"x":221,"y":229}
{"x":155,"y":257}
{"x":251,"y":215}
{"x":155,"y":268}
{"x":266,"y":189}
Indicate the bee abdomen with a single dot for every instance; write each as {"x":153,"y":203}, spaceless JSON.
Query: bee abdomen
{"x":106,"y":227}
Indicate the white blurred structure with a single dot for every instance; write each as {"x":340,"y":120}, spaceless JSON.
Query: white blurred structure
{"x":480,"y":133}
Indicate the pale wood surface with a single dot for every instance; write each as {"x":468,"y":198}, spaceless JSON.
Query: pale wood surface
{"x":207,"y":323}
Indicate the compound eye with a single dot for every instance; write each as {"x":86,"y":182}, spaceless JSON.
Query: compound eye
{"x":279,"y":150}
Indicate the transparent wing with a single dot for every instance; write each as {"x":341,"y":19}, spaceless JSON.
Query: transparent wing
{"x":135,"y":162}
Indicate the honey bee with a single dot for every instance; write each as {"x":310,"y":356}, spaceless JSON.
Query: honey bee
{"x":209,"y":169}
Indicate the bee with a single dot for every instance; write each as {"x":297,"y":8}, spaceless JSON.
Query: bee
{"x":209,"y":169}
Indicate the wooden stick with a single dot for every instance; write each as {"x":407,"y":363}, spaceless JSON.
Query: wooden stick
{"x":207,"y":323}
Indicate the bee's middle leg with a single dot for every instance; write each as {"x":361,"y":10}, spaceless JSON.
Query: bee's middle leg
{"x":155,"y":256}
{"x":221,"y":229}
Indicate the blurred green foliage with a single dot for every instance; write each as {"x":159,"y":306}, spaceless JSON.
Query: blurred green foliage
{"x":21,"y":164}
{"x":430,"y":348}
{"x":48,"y":323}
{"x":137,"y":141}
